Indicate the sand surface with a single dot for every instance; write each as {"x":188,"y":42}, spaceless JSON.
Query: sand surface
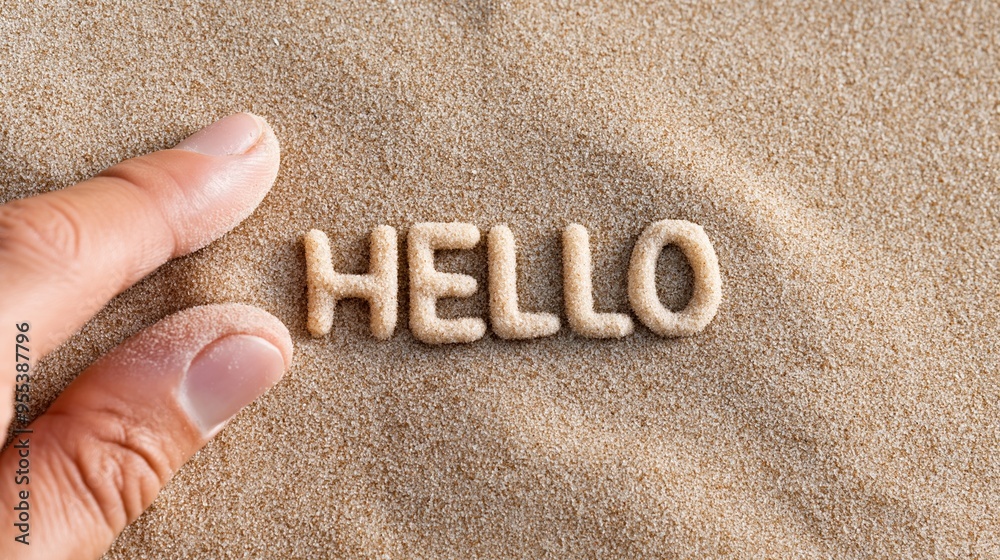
{"x":842,"y":157}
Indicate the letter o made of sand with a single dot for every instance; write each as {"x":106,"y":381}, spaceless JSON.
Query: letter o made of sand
{"x":693,"y":241}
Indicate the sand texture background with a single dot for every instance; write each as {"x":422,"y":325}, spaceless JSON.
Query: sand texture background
{"x":842,"y":156}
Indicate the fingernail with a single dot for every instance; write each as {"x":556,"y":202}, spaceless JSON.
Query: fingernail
{"x":230,"y":136}
{"x":227,"y":375}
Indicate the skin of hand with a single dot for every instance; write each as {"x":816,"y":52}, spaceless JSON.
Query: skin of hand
{"x":107,"y":445}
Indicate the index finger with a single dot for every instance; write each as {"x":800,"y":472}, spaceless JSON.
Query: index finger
{"x":65,"y":254}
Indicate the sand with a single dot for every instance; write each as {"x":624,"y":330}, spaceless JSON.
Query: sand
{"x":842,"y":157}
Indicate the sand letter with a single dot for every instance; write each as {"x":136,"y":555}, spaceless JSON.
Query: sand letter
{"x":428,"y":285}
{"x":707,"y":294}
{"x":326,"y":286}
{"x":507,"y":320}
{"x":578,"y":291}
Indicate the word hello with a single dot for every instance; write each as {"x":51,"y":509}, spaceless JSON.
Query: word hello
{"x":427,"y":285}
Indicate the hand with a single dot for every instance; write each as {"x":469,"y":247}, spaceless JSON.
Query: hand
{"x":100,"y":454}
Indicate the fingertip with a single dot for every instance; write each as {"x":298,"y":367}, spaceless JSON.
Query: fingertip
{"x":222,"y":357}
{"x":226,"y":376}
{"x":231,"y":166}
{"x":199,"y":366}
{"x":183,"y":334}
